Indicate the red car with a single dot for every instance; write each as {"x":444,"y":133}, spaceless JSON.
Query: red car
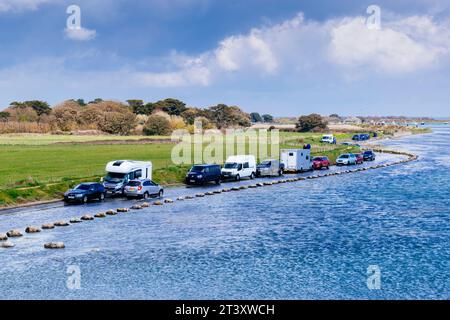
{"x":359,"y":158}
{"x":321,"y":162}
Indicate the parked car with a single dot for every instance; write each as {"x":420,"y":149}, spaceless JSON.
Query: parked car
{"x":120,"y":172}
{"x":359,"y":158}
{"x":204,"y":173}
{"x":346,"y":159}
{"x":321,"y":162}
{"x":328,"y":138}
{"x":361,"y":137}
{"x":238,"y":167}
{"x":85,"y":192}
{"x":269,"y":168}
{"x":143,"y":188}
{"x":369,"y":155}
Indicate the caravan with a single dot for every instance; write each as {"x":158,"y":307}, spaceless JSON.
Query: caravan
{"x":296,"y":160}
{"x":120,"y":172}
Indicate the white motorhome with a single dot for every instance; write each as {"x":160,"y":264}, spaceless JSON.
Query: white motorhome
{"x":238,"y":167}
{"x":296,"y":160}
{"x":328,"y":138}
{"x":119,"y":172}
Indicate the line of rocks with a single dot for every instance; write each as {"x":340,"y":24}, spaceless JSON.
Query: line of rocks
{"x":4,"y":238}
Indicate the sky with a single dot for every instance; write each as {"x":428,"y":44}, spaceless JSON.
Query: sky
{"x":282,"y":57}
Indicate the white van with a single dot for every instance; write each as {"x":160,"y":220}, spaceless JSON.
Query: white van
{"x":328,"y":138}
{"x":238,"y":167}
{"x":120,"y":172}
{"x":296,"y":160}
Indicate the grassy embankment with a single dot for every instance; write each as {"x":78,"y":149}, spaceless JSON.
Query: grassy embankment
{"x":42,"y":167}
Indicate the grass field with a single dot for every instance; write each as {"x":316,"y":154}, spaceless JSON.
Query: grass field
{"x":38,"y":167}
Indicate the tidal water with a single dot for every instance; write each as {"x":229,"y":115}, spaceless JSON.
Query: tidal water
{"x":310,"y":239}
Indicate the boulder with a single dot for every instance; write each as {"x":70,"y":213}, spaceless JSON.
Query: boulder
{"x":87,"y":218}
{"x":157,"y":203}
{"x":235,"y":189}
{"x":110,"y":212}
{"x":47,"y":226}
{"x":189,"y":197}
{"x":209,"y":193}
{"x":200,"y":195}
{"x":3,"y":237}
{"x":100,"y":215}
{"x":252,"y":186}
{"x":61,"y":224}
{"x":75,"y":220}
{"x":168,"y":201}
{"x":243,"y":187}
{"x":217,"y":191}
{"x":32,"y":230}
{"x":14,"y":233}
{"x":122,"y":210}
{"x":136,"y":207}
{"x":54,"y":245}
{"x":226,"y":190}
{"x":145,"y":204}
{"x":180,"y":198}
{"x":7,"y":244}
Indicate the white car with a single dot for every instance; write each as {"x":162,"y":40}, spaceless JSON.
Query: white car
{"x":346,"y":159}
{"x":328,"y":138}
{"x":238,"y":167}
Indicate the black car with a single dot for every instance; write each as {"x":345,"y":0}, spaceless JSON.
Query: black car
{"x":369,"y":155}
{"x":204,"y":173}
{"x":85,"y":192}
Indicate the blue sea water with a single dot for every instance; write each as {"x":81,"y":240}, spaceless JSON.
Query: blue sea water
{"x":311,"y":239}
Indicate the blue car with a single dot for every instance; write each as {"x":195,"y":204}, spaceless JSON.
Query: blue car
{"x":84,"y":192}
{"x":369,"y":155}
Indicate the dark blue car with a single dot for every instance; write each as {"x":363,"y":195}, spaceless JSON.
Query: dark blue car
{"x":84,"y":192}
{"x":369,"y":155}
{"x":204,"y":173}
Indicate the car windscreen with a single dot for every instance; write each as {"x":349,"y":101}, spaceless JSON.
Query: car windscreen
{"x":368,"y":152}
{"x":134,"y":183}
{"x":318,"y":159}
{"x":344,"y":156}
{"x":83,"y":187}
{"x":265,"y":164}
{"x":197,"y":169}
{"x":230,"y":165}
{"x":114,"y":177}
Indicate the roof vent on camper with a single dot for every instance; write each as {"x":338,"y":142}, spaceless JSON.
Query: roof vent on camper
{"x":117,"y":163}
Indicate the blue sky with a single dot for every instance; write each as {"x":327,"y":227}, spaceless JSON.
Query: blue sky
{"x":281,"y":57}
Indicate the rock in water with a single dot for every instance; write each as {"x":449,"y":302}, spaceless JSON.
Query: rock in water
{"x":14,"y":233}
{"x":61,"y":224}
{"x":123,"y":210}
{"x":111,"y":213}
{"x":3,"y":237}
{"x":168,"y":201}
{"x":47,"y":226}
{"x":32,"y":230}
{"x":75,"y":220}
{"x":87,"y":217}
{"x":7,"y":244}
{"x":100,"y":215}
{"x":157,"y":203}
{"x":54,"y":245}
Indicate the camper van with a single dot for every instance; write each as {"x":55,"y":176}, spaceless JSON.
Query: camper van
{"x":238,"y":167}
{"x":296,"y":160}
{"x":328,"y":138}
{"x":120,"y":172}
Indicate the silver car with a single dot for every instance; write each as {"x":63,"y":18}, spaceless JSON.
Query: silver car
{"x":144,"y":188}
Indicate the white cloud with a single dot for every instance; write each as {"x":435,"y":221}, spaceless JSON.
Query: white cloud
{"x":20,"y":5}
{"x":80,"y":34}
{"x":404,"y":45}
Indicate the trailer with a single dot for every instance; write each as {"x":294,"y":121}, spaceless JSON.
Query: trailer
{"x":119,"y":172}
{"x":296,"y":160}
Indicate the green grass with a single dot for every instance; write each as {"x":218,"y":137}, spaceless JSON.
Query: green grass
{"x":36,"y":170}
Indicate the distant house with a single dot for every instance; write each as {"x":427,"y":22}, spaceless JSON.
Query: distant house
{"x":352,"y":120}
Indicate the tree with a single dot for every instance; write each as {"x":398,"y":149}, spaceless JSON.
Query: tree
{"x":40,"y":107}
{"x":157,"y":125}
{"x":97,"y":100}
{"x":267,"y":118}
{"x":312,"y":122}
{"x":171,"y":106}
{"x":192,"y":113}
{"x":227,"y":116}
{"x":334,"y":115}
{"x":146,"y":109}
{"x":256,"y":117}
{"x":66,"y":115}
{"x":115,"y":117}
{"x":81,"y":102}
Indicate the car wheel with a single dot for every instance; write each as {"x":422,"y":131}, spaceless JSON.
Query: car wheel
{"x":102,"y":196}
{"x":145,"y":196}
{"x":280,"y":173}
{"x":252,"y":176}
{"x":160,"y":193}
{"x":218,"y":181}
{"x":238,"y":177}
{"x":85,"y":199}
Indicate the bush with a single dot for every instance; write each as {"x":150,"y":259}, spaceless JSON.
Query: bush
{"x":157,"y":125}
